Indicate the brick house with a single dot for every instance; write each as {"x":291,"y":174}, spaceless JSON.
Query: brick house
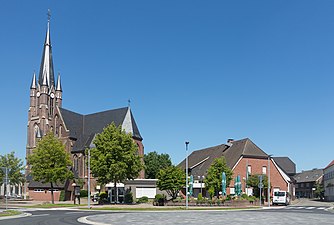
{"x":241,"y":156}
{"x":75,"y":130}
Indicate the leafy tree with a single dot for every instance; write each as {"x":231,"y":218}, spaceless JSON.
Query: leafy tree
{"x":319,"y":190}
{"x":171,"y":180}
{"x":50,"y":162}
{"x":14,"y":166}
{"x":213,"y":179}
{"x":115,"y":156}
{"x":154,"y":163}
{"x":253,"y":181}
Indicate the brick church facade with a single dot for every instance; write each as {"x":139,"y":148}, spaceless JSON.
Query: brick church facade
{"x":76,"y":131}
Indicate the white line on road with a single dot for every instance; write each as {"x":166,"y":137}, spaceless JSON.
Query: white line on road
{"x":41,"y":215}
{"x":73,"y":212}
{"x":310,"y":208}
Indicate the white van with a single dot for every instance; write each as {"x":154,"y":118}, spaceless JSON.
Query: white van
{"x":281,"y":197}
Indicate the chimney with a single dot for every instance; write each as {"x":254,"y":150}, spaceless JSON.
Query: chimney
{"x":230,"y":141}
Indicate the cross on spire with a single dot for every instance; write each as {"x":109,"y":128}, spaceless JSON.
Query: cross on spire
{"x":129,"y":102}
{"x":49,"y":14}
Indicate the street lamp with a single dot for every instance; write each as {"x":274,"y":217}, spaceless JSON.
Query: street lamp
{"x":269,"y":159}
{"x":201,"y":181}
{"x":187,"y":143}
{"x":88,"y":180}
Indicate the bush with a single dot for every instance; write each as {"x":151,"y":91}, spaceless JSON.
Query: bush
{"x":199,"y":197}
{"x":103,"y":196}
{"x":62,"y":195}
{"x":244,"y":196}
{"x":143,"y":199}
{"x":83,"y":193}
{"x":159,"y":200}
{"x":128,"y":198}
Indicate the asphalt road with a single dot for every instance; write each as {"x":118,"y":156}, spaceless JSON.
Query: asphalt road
{"x":306,"y":215}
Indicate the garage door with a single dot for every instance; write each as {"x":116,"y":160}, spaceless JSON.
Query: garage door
{"x":144,"y":191}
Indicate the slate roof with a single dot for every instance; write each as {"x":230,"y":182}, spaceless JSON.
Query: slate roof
{"x":84,"y":127}
{"x":286,"y":164}
{"x":199,"y":161}
{"x":37,"y":184}
{"x":309,"y":176}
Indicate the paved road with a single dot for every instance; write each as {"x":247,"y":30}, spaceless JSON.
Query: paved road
{"x":49,"y":217}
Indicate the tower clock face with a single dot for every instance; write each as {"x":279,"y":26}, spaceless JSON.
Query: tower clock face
{"x":52,"y":95}
{"x":38,"y":94}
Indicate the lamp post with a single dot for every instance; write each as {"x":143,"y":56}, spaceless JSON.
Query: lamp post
{"x":269,"y":159}
{"x":187,"y":143}
{"x":201,"y":181}
{"x":88,"y":180}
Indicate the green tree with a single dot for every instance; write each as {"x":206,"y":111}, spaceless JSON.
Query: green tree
{"x":50,"y":162}
{"x":154,"y":162}
{"x":253,"y":181}
{"x":171,"y":180}
{"x":14,"y":166}
{"x":213,"y":179}
{"x":115,"y":156}
{"x":319,"y":190}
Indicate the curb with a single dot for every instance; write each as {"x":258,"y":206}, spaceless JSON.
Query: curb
{"x":16,"y":216}
{"x":86,"y":221}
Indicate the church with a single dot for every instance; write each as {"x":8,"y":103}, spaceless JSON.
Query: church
{"x":75,"y":130}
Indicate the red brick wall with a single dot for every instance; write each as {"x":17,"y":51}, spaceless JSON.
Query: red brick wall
{"x":276,"y":180}
{"x":42,"y":196}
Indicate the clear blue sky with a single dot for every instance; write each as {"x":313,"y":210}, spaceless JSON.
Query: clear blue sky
{"x":201,"y":71}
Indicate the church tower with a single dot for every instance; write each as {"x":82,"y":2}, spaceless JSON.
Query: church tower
{"x":45,"y":97}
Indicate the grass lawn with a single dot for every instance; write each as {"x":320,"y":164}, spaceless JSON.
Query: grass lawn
{"x":9,"y":213}
{"x":49,"y":205}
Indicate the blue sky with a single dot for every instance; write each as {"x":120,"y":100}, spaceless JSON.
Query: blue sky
{"x":201,"y":71}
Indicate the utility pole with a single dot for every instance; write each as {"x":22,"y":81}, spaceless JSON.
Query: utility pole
{"x":187,"y":143}
{"x":88,"y":180}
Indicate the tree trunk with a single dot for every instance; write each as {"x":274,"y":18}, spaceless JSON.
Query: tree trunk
{"x":52,"y":197}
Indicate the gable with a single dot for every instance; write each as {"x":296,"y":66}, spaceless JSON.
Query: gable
{"x":84,"y":127}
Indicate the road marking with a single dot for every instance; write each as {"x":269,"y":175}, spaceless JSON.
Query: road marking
{"x":310,"y":207}
{"x":322,"y":208}
{"x":300,"y":207}
{"x":41,"y":215}
{"x":73,"y":212}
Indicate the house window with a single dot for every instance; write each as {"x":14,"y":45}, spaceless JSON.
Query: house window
{"x":264,"y":170}
{"x":38,"y":190}
{"x":249,"y":170}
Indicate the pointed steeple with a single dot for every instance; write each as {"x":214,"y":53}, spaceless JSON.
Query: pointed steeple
{"x":58,"y":88}
{"x":33,"y":82}
{"x":46,"y":69}
{"x":127,"y":122}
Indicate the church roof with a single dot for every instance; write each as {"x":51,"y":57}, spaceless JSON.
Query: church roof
{"x":84,"y":127}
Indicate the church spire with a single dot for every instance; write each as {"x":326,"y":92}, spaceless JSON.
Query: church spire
{"x":46,"y":72}
{"x":58,"y":88}
{"x":33,"y":82}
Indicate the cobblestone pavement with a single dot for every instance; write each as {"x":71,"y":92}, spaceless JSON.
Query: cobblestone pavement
{"x":260,"y":217}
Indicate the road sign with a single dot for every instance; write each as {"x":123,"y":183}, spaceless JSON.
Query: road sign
{"x":260,"y":185}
